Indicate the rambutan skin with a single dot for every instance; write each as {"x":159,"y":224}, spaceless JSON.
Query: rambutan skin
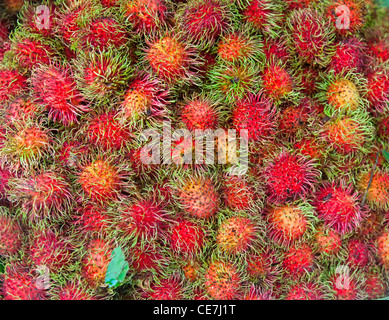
{"x":11,"y":234}
{"x":187,"y":237}
{"x":298,"y":260}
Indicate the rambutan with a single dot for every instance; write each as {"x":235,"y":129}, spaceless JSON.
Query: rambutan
{"x":298,"y":260}
{"x":378,"y":90}
{"x":257,"y":115}
{"x":12,"y":82}
{"x":199,"y":113}
{"x":277,"y":82}
{"x":236,"y":235}
{"x":92,"y":220}
{"x":288,"y":223}
{"x":263,"y":266}
{"x":312,"y":147}
{"x":74,"y":289}
{"x":171,"y":59}
{"x":289,"y":176}
{"x":358,"y":253}
{"x":383,"y":128}
{"x":198,"y":197}
{"x":191,"y":270}
{"x":44,"y":195}
{"x":313,"y":48}
{"x":70,"y":153}
{"x":95,"y":260}
{"x":378,"y":48}
{"x":107,"y":132}
{"x":306,"y":290}
{"x":56,"y":89}
{"x":377,"y":191}
{"x":187,"y":237}
{"x":375,"y":284}
{"x":147,"y":257}
{"x":299,"y":4}
{"x":165,"y":289}
{"x":204,"y":21}
{"x":258,"y":294}
{"x":68,"y":23}
{"x":5,"y":176}
{"x":383,"y":248}
{"x":238,"y":194}
{"x":19,"y":110}
{"x":327,"y":242}
{"x":222,"y":280}
{"x":338,"y":205}
{"x":21,"y":284}
{"x":276,"y":49}
{"x":11,"y":233}
{"x":146,"y":16}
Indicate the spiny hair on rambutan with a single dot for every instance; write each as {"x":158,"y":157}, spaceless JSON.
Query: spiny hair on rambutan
{"x":96,"y":255}
{"x":327,"y":242}
{"x":371,"y":226}
{"x":299,"y":260}
{"x":56,"y":90}
{"x":70,"y":151}
{"x":290,"y":223}
{"x":5,"y":176}
{"x":203,"y":22}
{"x":378,"y":45}
{"x":11,"y":233}
{"x":12,"y":82}
{"x":236,"y":234}
{"x":146,"y":16}
{"x":264,"y":266}
{"x":231,"y":81}
{"x":45,"y":195}
{"x":344,"y":283}
{"x":148,"y":257}
{"x":74,"y":289}
{"x":199,"y":112}
{"x":256,"y":114}
{"x":356,"y":13}
{"x":105,"y":131}
{"x":375,"y":184}
{"x":50,"y":248}
{"x":192,"y":269}
{"x":19,"y":109}
{"x":311,"y":146}
{"x":104,"y":178}
{"x":314,"y":48}
{"x":240,"y":45}
{"x":338,"y":205}
{"x":262,"y":15}
{"x":145,"y":99}
{"x":26,"y":144}
{"x":171,"y":288}
{"x":378,"y":89}
{"x":276,"y":49}
{"x":257,"y":293}
{"x":141,"y":220}
{"x":343,"y":92}
{"x":375,"y":285}
{"x":382,"y":245}
{"x":92,"y":220}
{"x":186,"y":237}
{"x":306,"y":290}
{"x":20,"y":283}
{"x":223,"y":279}
{"x":383,"y":127}
{"x":289,"y":176}
{"x":197,"y":195}
{"x":359,"y":253}
{"x":350,"y":55}
{"x":103,"y":76}
{"x":349,"y":135}
{"x":171,"y":59}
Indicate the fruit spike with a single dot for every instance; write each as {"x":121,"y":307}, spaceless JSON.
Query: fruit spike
{"x":375,"y":285}
{"x":236,"y":235}
{"x":146,"y":16}
{"x":187,"y":237}
{"x":314,"y":48}
{"x":20,"y":109}
{"x":198,"y":197}
{"x":171,"y":59}
{"x":338,"y":205}
{"x":289,"y":176}
{"x":92,"y":220}
{"x":377,"y":191}
{"x":56,"y":89}
{"x":289,"y":223}
{"x":204,"y":21}
{"x":327,"y":242}
{"x":147,"y":258}
{"x":358,"y":253}
{"x":222,"y":280}
{"x":256,"y":114}
{"x":11,"y":234}
{"x":12,"y":82}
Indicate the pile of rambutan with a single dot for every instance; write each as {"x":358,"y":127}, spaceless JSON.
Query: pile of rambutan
{"x":227,"y":149}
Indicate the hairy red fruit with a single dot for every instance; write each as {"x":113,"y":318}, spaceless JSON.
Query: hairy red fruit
{"x":305,"y":291}
{"x":20,"y":109}
{"x":349,"y":55}
{"x":327,"y":241}
{"x":199,"y":114}
{"x":222,"y":281}
{"x":383,"y":248}
{"x":276,"y":49}
{"x":166,"y":289}
{"x":338,"y":205}
{"x":40,"y":20}
{"x":263,"y":266}
{"x":342,"y":290}
{"x":199,"y":198}
{"x":289,"y":176}
{"x":375,"y":285}
{"x":146,"y":258}
{"x":70,"y":153}
{"x":358,"y":253}
{"x":277,"y":82}
{"x":257,"y":115}
{"x":311,"y":147}
{"x":56,"y":89}
{"x":30,"y":52}
{"x":11,"y":235}
{"x":377,"y":196}
{"x":261,"y":14}
{"x":68,"y":26}
{"x":12,"y":82}
{"x":92,"y":220}
{"x":106,"y":131}
{"x":237,"y":193}
{"x":186,"y":237}
{"x":295,"y":118}
{"x":299,"y":4}
{"x":74,"y":290}
{"x":378,"y":90}
{"x":383,"y":127}
{"x":5,"y":176}
{"x":298,"y":260}
{"x":236,"y":235}
{"x":379,"y":49}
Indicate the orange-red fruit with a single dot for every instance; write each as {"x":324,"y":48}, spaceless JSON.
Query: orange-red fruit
{"x":383,"y":248}
{"x":11,"y":236}
{"x":327,"y":241}
{"x":375,"y":285}
{"x":222,"y":281}
{"x":146,"y":258}
{"x":237,"y":193}
{"x":92,"y":220}
{"x":199,"y":114}
{"x":277,"y":82}
{"x":186,"y":237}
{"x":298,"y":260}
{"x":378,"y":90}
{"x":377,"y":195}
{"x":12,"y":82}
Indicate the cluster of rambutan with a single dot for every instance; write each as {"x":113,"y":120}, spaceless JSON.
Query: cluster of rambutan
{"x":295,"y":206}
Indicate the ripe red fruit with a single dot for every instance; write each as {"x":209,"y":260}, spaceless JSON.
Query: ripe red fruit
{"x":277,"y":82}
{"x":338,"y":205}
{"x":358,"y":253}
{"x":375,"y":284}
{"x":11,"y":235}
{"x":186,"y":237}
{"x":199,"y":113}
{"x":257,"y":115}
{"x":378,"y":89}
{"x":327,"y":241}
{"x":30,"y":52}
{"x":74,"y":290}
{"x":92,"y":220}
{"x":349,"y":55}
{"x":289,"y":176}
{"x":56,"y":90}
{"x":298,"y":260}
{"x":276,"y":49}
{"x":383,"y":248}
{"x":345,"y":287}
{"x":305,"y":291}
{"x":12,"y":82}
{"x":237,"y":193}
{"x":147,"y":258}
{"x":166,"y":289}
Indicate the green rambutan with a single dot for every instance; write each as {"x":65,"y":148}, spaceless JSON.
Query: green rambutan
{"x":11,"y":233}
{"x":337,"y":204}
{"x":314,"y":48}
{"x":204,"y":21}
{"x":289,"y":176}
{"x":55,"y":88}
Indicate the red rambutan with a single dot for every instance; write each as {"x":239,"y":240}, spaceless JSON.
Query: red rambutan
{"x":187,"y":237}
{"x":12,"y":82}
{"x":378,"y":90}
{"x":165,"y":289}
{"x":11,"y":234}
{"x":298,"y":260}
{"x":29,"y":52}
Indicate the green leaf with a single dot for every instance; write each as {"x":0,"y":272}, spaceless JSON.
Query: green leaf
{"x":386,"y":154}
{"x":117,"y":269}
